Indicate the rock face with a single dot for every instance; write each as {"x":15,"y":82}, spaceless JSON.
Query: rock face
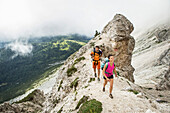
{"x":120,"y":44}
{"x":164,"y":60}
{"x":31,"y":103}
{"x":162,"y":34}
{"x":151,"y":57}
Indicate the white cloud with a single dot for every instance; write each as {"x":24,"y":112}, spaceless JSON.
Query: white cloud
{"x":20,"y":48}
{"x":22,"y":18}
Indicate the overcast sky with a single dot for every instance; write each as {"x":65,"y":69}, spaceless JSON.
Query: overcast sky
{"x":24,"y":18}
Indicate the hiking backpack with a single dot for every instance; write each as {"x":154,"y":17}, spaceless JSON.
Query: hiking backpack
{"x":106,"y":61}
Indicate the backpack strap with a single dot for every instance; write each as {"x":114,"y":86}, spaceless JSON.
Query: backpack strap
{"x":94,"y":51}
{"x":107,"y":67}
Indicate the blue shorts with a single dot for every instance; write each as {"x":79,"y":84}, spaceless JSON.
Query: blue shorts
{"x":110,"y":77}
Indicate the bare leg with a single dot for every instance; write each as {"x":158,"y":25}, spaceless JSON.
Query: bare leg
{"x":111,"y":85}
{"x":105,"y":82}
{"x":94,"y":70}
{"x":98,"y":73}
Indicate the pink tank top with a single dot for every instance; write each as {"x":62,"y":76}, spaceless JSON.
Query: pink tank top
{"x":109,"y":70}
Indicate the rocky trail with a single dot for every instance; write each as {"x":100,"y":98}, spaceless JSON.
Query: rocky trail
{"x":124,"y":101}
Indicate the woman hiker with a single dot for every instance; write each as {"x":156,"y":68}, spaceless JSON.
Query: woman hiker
{"x":108,"y":74}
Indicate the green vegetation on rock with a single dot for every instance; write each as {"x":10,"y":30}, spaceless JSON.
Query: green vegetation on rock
{"x":81,"y":101}
{"x":91,"y":106}
{"x":78,"y":60}
{"x":61,"y":109}
{"x":92,"y":44}
{"x":134,"y":91}
{"x":74,"y":84}
{"x":91,"y":79}
{"x":71,"y":70}
{"x":60,"y":85}
{"x":96,"y":33}
{"x":29,"y":97}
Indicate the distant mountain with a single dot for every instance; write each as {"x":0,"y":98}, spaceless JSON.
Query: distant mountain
{"x":20,"y":72}
{"x":2,"y":44}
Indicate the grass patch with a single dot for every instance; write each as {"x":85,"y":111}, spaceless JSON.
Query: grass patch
{"x":29,"y":97}
{"x":92,"y":44}
{"x":75,"y":96}
{"x":81,"y":101}
{"x":91,"y":106}
{"x":160,"y":95}
{"x":74,"y":84}
{"x":86,"y":86}
{"x":61,"y":109}
{"x":71,"y":70}
{"x":78,"y":60}
{"x":146,"y":97}
{"x":91,"y":79}
{"x":134,"y":91}
{"x":128,"y":83}
{"x":56,"y":101}
{"x":60,"y":85}
{"x":149,"y":88}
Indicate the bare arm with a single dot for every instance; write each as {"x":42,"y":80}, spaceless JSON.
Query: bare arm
{"x":92,"y":55}
{"x":115,"y":72}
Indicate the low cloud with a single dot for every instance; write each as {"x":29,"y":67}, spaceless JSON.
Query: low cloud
{"x":20,"y":48}
{"x":36,"y":18}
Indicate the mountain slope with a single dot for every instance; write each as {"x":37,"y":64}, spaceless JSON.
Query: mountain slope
{"x":19,"y":72}
{"x":152,"y":48}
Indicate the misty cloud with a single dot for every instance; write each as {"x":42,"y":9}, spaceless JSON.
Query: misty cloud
{"x":26,"y":18}
{"x":20,"y":48}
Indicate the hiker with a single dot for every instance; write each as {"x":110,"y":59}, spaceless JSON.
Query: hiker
{"x":108,"y":69}
{"x":96,"y":56}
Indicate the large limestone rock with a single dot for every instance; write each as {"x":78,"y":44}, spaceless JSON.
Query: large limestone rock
{"x":117,"y":40}
{"x":114,"y":39}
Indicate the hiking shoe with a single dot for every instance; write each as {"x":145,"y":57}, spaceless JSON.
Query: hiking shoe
{"x":95,"y":75}
{"x":98,"y":79}
{"x":111,"y":96}
{"x":103,"y":89}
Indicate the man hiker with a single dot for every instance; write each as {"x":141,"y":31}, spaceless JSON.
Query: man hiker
{"x":96,"y":56}
{"x":108,"y":74}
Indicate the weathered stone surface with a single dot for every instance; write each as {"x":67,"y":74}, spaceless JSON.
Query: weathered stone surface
{"x":162,"y":34}
{"x":120,"y":44}
{"x":33,"y":104}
